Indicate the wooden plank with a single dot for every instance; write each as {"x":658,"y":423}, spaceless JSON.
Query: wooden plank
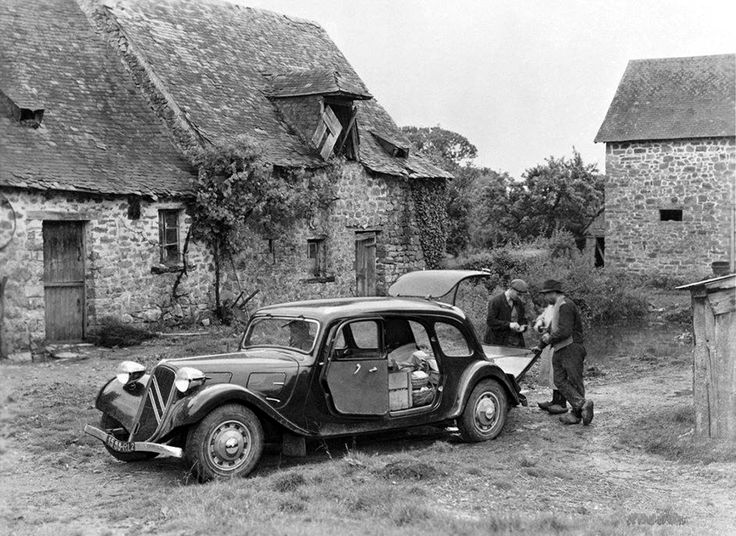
{"x":319,"y":133}
{"x":328,"y":146}
{"x":64,"y":313}
{"x":332,"y":122}
{"x":722,"y":302}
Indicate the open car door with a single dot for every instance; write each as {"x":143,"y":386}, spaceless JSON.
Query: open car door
{"x":356,"y":372}
{"x":513,"y":361}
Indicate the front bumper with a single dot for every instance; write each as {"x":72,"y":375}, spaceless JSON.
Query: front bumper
{"x":132,"y":446}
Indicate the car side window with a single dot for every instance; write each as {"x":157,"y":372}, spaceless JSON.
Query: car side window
{"x":451,"y":340}
{"x":357,"y":340}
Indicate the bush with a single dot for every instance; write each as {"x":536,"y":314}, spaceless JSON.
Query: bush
{"x":603,"y":296}
{"x":113,"y":332}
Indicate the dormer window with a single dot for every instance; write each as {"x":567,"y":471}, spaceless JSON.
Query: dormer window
{"x":336,"y":132}
{"x":26,"y":116}
{"x":30,"y":118}
{"x":391,"y":145}
{"x":303,"y":95}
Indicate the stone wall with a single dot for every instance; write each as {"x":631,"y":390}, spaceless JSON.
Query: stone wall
{"x":642,"y":178}
{"x":121,"y":256}
{"x":124,"y":278}
{"x":364,"y":203}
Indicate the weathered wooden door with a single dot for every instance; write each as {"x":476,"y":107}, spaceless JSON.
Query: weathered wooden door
{"x":63,"y":278}
{"x":365,"y":264}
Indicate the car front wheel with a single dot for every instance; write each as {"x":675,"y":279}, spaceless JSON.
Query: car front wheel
{"x":485,"y":412}
{"x":226,"y":443}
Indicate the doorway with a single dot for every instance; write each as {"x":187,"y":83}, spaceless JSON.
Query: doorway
{"x":365,"y":263}
{"x":63,"y":280}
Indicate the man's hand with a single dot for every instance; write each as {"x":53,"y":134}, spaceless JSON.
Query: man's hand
{"x":514,"y":326}
{"x":546,"y":337}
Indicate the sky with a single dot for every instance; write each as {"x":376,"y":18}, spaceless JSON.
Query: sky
{"x":522,"y":80}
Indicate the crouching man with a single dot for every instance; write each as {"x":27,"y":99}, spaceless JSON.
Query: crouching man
{"x":566,"y":337}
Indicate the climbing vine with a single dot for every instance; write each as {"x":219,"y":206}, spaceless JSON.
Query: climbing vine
{"x":430,"y":200}
{"x":237,"y":192}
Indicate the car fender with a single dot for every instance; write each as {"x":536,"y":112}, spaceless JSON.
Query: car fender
{"x":121,"y":402}
{"x":196,"y":407}
{"x":478,"y":371}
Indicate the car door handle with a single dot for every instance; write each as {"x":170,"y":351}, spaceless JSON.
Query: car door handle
{"x":357,"y":368}
{"x":374,"y":369}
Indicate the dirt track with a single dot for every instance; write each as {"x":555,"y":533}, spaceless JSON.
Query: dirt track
{"x":63,"y":482}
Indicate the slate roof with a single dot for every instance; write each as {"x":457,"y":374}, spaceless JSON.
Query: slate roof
{"x":673,"y":98}
{"x":218,"y":61}
{"x":98,"y":133}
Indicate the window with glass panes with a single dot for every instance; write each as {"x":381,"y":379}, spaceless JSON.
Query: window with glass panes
{"x":168,"y":230}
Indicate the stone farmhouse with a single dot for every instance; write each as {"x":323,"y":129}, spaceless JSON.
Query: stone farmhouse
{"x":670,"y":136}
{"x":99,"y":103}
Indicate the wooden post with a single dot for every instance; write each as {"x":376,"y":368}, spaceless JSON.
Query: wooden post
{"x":3,"y":282}
{"x":714,"y":357}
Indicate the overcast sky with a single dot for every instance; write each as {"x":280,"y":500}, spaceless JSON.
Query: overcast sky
{"x":522,"y":80}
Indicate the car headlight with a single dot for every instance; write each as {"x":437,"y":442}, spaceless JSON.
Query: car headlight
{"x":188,"y":378}
{"x":129,"y":371}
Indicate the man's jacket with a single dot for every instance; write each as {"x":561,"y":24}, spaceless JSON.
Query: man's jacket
{"x":498,"y":331}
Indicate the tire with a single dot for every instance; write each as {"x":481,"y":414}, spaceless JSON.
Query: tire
{"x":485,"y":412}
{"x":227,"y":443}
{"x":107,"y":423}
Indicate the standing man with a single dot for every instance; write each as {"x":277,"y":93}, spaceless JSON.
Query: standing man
{"x":506,"y":320}
{"x":566,"y":337}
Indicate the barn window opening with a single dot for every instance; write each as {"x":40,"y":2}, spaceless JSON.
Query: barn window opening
{"x":316,"y":256}
{"x":337,"y":132}
{"x":134,"y":208}
{"x":168,"y":228}
{"x":670,"y":215}
{"x":600,"y":251}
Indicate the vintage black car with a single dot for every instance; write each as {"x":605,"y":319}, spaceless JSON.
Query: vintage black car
{"x":321,"y":368}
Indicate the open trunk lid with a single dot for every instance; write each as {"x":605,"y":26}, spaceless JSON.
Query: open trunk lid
{"x":440,"y":285}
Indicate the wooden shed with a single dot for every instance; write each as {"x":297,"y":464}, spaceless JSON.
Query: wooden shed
{"x":714,"y":356}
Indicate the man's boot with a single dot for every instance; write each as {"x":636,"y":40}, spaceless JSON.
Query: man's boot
{"x":557,"y":400}
{"x":545,"y":405}
{"x":587,"y":412}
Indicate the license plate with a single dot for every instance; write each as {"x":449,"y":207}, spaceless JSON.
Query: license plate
{"x":120,"y":446}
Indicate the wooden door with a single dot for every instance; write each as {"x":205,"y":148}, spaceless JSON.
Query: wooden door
{"x":365,"y":264}
{"x":63,"y":277}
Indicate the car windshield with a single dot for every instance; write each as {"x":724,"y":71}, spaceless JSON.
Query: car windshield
{"x":296,"y":333}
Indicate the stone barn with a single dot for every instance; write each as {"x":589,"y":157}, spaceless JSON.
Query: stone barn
{"x":100,"y":104}
{"x":670,"y":136}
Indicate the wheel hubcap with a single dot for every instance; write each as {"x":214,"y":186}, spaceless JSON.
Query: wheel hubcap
{"x":486,"y":412}
{"x":229,"y":445}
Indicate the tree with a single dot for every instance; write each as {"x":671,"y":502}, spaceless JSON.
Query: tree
{"x":237,"y":192}
{"x":561,"y":194}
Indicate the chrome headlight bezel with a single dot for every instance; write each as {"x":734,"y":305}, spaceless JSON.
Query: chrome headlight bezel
{"x":187,"y":378}
{"x":128,"y":372}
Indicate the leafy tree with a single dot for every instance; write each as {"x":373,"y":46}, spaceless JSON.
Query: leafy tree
{"x":237,"y":191}
{"x":561,"y":194}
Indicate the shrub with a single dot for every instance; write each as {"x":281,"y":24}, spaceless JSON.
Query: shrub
{"x":113,"y":332}
{"x":603,"y":296}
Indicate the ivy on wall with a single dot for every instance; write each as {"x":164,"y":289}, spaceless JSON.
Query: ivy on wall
{"x":430,"y":201}
{"x":236,"y":189}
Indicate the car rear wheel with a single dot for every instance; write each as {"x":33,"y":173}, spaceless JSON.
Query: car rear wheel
{"x":113,"y":427}
{"x":485,"y":412}
{"x":226,"y":443}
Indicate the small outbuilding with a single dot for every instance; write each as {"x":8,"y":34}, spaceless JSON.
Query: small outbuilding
{"x":714,"y":357}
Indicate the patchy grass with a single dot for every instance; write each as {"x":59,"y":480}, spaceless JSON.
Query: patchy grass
{"x":669,"y":433}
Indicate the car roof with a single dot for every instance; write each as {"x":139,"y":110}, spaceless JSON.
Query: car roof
{"x":326,"y":310}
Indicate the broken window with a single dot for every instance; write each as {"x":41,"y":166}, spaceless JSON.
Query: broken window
{"x":670,"y":215}
{"x":316,"y":256}
{"x":168,"y":230}
{"x":337,"y":132}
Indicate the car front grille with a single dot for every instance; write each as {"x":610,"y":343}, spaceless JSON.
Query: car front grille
{"x":159,"y":393}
